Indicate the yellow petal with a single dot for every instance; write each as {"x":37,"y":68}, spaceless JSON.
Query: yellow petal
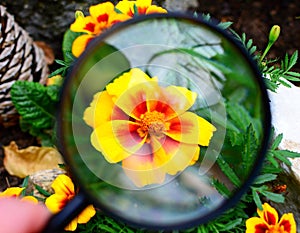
{"x":190,"y":128}
{"x":100,"y":110}
{"x":287,"y":222}
{"x":179,"y":98}
{"x":12,"y":192}
{"x":86,"y":214}
{"x":24,"y":162}
{"x":56,"y":202}
{"x":63,"y":185}
{"x":117,"y":135}
{"x":101,"y":9}
{"x":268,"y":214}
{"x":180,"y":155}
{"x":84,"y":24}
{"x":255,"y":225}
{"x":126,"y":7}
{"x":127,"y":80}
{"x":30,"y":199}
{"x":72,"y":225}
{"x":80,"y":43}
{"x":155,"y":9}
{"x":142,"y":171}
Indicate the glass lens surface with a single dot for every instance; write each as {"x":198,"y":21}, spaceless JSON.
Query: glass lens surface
{"x":163,"y":121}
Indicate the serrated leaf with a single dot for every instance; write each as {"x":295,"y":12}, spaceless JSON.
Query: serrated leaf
{"x":222,"y":189}
{"x":232,"y":224}
{"x":33,"y":103}
{"x":256,"y":199}
{"x":295,"y":74}
{"x":227,"y":170}
{"x":288,"y":154}
{"x":261,"y":179}
{"x":249,"y":148}
{"x":276,"y":142}
{"x":239,"y":116}
{"x":276,"y":197}
{"x":282,"y":158}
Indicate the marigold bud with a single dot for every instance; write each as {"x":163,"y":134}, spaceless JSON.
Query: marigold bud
{"x":274,"y":34}
{"x":79,"y":14}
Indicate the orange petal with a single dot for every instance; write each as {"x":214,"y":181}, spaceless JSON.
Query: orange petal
{"x":86,"y":214}
{"x":142,"y":171}
{"x":84,"y":24}
{"x":256,"y":225}
{"x":190,"y":128}
{"x":72,"y":225}
{"x":119,"y":135}
{"x":101,"y":12}
{"x":155,"y":9}
{"x":179,"y":98}
{"x":31,"y":199}
{"x":269,"y":214}
{"x":287,"y":222}
{"x":56,"y":202}
{"x":133,"y":101}
{"x":175,"y":156}
{"x":63,"y":185}
{"x":80,"y":43}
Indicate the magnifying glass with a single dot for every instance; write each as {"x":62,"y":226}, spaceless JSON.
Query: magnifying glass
{"x":152,"y":121}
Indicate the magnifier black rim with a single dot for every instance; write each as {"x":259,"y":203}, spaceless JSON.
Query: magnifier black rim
{"x":229,"y":203}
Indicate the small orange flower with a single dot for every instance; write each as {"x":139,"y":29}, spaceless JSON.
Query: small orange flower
{"x":139,"y":7}
{"x":148,"y":127}
{"x":16,"y":192}
{"x":267,"y":222}
{"x":64,"y":192}
{"x":102,"y":17}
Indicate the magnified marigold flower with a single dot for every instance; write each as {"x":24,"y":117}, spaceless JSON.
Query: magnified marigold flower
{"x":64,"y":191}
{"x":139,"y":7}
{"x":148,"y":127}
{"x":102,"y":17}
{"x":16,"y":192}
{"x":267,"y":222}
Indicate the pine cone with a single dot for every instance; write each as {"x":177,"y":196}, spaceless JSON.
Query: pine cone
{"x":20,"y":59}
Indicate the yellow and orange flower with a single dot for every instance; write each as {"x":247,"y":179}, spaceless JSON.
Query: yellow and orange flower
{"x":102,"y":17}
{"x":148,"y":127}
{"x":139,"y":7}
{"x":16,"y":193}
{"x":64,"y":191}
{"x":267,"y":222}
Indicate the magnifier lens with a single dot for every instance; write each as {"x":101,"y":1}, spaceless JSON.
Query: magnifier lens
{"x":153,"y":118}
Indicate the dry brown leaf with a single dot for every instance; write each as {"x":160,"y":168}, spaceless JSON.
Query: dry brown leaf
{"x":24,"y":162}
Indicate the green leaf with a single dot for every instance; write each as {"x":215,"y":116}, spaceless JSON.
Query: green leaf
{"x":33,"y":103}
{"x":222,"y":189}
{"x":249,"y":148}
{"x":256,"y":199}
{"x":239,"y":115}
{"x":276,"y":197}
{"x":227,"y":170}
{"x":276,"y":142}
{"x":42,"y":191}
{"x":68,"y":39}
{"x":282,"y":158}
{"x":24,"y":185}
{"x":264,"y":178}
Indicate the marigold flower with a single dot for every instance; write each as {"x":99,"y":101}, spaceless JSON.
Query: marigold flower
{"x":267,"y":222}
{"x":102,"y":17}
{"x":16,"y":192}
{"x":139,"y":7}
{"x":148,"y":127}
{"x":64,"y":191}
